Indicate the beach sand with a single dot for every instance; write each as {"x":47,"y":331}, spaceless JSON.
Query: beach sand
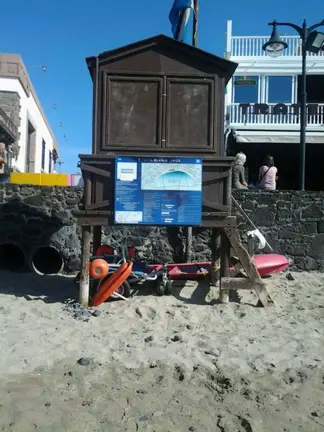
{"x":173,"y":363}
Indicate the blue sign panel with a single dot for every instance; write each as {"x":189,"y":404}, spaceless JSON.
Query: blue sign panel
{"x":158,"y":190}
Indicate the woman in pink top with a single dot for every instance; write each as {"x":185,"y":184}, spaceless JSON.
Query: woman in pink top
{"x":268,"y":174}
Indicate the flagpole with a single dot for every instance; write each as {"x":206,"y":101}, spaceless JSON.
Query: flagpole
{"x":195,"y":44}
{"x":195,"y":24}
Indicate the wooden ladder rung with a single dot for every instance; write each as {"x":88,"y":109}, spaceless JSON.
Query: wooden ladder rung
{"x":230,"y":283}
{"x":253,"y":280}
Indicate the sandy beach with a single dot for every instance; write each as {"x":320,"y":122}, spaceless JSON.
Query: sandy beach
{"x":173,"y":363}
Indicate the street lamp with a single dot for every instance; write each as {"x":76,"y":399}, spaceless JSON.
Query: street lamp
{"x":312,"y":41}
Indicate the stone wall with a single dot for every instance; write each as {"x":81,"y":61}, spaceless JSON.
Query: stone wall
{"x":292,"y":221}
{"x":33,"y":216}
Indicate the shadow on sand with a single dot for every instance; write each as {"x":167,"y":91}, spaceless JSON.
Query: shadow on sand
{"x":50,"y":289}
{"x":199,"y":295}
{"x":59,"y":289}
{"x":188,"y":292}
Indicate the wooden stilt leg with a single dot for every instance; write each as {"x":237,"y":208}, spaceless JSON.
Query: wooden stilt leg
{"x":96,"y":239}
{"x":85,"y":256}
{"x":215,"y":248}
{"x":189,"y":244}
{"x":251,"y":246}
{"x":225,"y":266}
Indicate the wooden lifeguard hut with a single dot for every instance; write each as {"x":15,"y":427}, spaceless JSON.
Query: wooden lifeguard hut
{"x":162,"y":98}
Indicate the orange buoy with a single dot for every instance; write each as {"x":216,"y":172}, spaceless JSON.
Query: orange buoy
{"x":99,"y":268}
{"x":110,"y":285}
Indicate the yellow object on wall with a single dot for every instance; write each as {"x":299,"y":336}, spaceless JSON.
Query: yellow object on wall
{"x":39,"y":179}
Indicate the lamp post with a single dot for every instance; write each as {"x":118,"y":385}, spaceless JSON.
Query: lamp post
{"x":312,"y":41}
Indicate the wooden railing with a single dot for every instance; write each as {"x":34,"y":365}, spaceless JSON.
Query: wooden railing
{"x":246,"y":46}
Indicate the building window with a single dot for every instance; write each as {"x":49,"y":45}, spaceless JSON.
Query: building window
{"x":246,"y":89}
{"x":43,"y":154}
{"x":314,"y":88}
{"x":280,"y":89}
{"x":49,"y":161}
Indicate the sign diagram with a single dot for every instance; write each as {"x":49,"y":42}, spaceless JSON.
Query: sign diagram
{"x":177,"y":177}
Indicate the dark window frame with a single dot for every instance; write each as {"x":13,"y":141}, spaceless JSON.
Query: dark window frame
{"x":43,"y":154}
{"x":50,"y":160}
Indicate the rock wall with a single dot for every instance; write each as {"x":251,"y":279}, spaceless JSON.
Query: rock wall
{"x":292,"y":221}
{"x":33,"y":216}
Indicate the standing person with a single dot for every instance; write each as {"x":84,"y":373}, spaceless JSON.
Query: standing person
{"x":238,"y":178}
{"x":268,"y":174}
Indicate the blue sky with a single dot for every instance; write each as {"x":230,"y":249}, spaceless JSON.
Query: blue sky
{"x":60,"y":34}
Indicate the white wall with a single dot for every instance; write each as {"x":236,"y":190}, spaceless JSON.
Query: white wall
{"x":29,"y":110}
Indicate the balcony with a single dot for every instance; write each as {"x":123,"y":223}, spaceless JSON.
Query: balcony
{"x":253,"y":117}
{"x":251,"y":46}
{"x":8,"y":130}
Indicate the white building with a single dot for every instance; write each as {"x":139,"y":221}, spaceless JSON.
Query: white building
{"x":262,"y":106}
{"x":37,"y":149}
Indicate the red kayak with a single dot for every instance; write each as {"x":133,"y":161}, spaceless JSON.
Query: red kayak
{"x":266,"y":264}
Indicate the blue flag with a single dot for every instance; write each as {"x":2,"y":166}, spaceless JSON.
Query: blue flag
{"x":179,"y":16}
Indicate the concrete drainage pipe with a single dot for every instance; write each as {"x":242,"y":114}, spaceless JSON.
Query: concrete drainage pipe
{"x":12,"y":257}
{"x":46,"y":260}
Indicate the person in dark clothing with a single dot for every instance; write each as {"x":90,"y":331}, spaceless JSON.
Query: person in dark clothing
{"x":238,"y":178}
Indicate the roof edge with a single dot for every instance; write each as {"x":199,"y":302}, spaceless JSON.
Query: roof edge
{"x":27,"y":85}
{"x":228,"y":69}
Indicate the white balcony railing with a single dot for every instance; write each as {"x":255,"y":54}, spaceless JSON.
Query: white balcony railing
{"x":247,"y":46}
{"x":237,"y":115}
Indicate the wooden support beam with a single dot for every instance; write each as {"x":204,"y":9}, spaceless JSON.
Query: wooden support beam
{"x":94,"y":170}
{"x":94,"y":217}
{"x":95,"y":221}
{"x":230,"y":283}
{"x":85,"y":257}
{"x":104,"y":162}
{"x":217,"y":176}
{"x":87,"y":189}
{"x":90,"y":213}
{"x":219,"y":215}
{"x":189,"y":244}
{"x":215,"y":249}
{"x":96,"y":242}
{"x":225,"y":266}
{"x":225,"y":243}
{"x":212,"y":222}
{"x":209,"y":220}
{"x":216,"y":206}
{"x":251,"y":246}
{"x":249,"y":266}
{"x":97,"y":205}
